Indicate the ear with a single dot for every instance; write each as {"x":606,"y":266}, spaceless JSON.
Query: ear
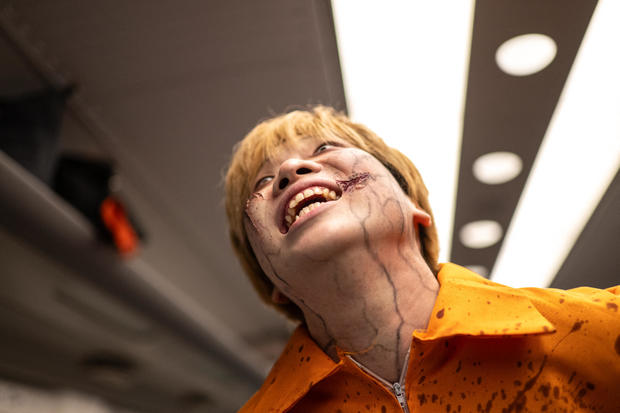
{"x":278,"y":298}
{"x":421,"y":217}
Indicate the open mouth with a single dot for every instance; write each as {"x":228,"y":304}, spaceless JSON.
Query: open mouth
{"x":305,"y":201}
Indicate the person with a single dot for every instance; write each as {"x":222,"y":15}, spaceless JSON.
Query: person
{"x":335,"y":230}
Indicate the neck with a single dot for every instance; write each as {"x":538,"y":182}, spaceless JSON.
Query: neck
{"x":372,"y":307}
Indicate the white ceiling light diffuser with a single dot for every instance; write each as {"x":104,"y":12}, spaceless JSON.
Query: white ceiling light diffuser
{"x":404,"y":67}
{"x":497,"y":167}
{"x":526,"y":54}
{"x":481,"y":234}
{"x":577,"y":161}
{"x":478,"y":269}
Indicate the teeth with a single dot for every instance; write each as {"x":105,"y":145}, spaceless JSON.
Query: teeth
{"x":309,"y":208}
{"x":306,"y":193}
{"x":298,"y":198}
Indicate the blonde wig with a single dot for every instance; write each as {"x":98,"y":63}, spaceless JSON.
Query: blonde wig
{"x":324,"y":123}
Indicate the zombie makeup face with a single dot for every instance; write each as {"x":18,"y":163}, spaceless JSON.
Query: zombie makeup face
{"x":317,"y":205}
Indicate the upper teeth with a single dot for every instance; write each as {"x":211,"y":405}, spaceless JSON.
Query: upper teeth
{"x":328,"y":194}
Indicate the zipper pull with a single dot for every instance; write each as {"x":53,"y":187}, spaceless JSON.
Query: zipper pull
{"x":399,"y":392}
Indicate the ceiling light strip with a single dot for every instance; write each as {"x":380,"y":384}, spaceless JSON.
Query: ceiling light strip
{"x":404,"y":67}
{"x":577,"y":160}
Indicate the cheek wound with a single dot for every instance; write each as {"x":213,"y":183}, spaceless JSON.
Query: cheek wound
{"x":254,"y":197}
{"x":250,"y":204}
{"x":355,"y":181}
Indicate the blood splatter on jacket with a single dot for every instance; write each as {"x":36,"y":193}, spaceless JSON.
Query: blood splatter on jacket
{"x":487,"y":348}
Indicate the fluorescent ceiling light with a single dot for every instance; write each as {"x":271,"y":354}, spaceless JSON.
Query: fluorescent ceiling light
{"x":577,"y":161}
{"x":479,"y":269}
{"x":480,"y":234}
{"x":526,"y":54}
{"x":497,"y":167}
{"x":404,"y":68}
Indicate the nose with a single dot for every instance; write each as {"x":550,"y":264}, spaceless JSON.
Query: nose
{"x":291,"y":170}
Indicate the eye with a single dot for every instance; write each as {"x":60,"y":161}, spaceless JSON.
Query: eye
{"x":322,"y":147}
{"x":262,"y":182}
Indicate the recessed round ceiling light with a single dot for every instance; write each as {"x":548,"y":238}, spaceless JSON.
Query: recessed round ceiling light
{"x":481,"y":234}
{"x":497,"y":167}
{"x":526,"y":54}
{"x":478,"y":269}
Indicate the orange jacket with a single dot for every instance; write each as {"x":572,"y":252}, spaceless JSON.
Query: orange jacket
{"x":488,"y":348}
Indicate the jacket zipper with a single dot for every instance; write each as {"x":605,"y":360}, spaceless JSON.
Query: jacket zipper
{"x":399,"y":392}
{"x":398,"y":388}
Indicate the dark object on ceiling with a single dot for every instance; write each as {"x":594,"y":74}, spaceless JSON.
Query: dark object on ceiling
{"x":85,"y":184}
{"x":29,"y":128}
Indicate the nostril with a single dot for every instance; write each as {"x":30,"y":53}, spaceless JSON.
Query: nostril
{"x":283,"y":183}
{"x":302,"y":171}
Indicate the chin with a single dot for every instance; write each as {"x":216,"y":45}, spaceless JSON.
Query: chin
{"x":323,"y":240}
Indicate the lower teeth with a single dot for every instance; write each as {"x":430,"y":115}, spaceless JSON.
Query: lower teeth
{"x":307,"y":209}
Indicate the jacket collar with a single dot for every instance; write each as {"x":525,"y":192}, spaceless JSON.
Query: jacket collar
{"x":301,"y":365}
{"x":467,"y":304}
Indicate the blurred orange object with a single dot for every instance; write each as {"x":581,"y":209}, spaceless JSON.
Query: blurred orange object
{"x":115,"y":219}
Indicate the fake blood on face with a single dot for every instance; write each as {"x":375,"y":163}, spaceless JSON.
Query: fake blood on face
{"x":355,"y":181}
